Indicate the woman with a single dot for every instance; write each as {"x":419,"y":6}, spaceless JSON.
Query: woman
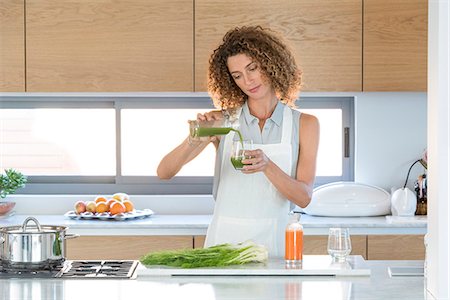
{"x":254,"y":74}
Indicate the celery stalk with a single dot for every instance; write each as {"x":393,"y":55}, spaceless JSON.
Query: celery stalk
{"x":215,"y":256}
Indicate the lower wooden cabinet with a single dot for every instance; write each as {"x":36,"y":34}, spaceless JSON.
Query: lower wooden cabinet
{"x":199,"y":241}
{"x":395,"y":247}
{"x":314,"y":244}
{"x":123,"y":247}
{"x":317,"y":245}
{"x":373,"y":247}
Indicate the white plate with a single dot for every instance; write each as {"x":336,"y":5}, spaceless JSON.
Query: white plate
{"x":8,"y":214}
{"x":135,"y":214}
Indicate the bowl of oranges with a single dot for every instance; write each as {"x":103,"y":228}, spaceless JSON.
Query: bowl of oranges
{"x":117,"y":207}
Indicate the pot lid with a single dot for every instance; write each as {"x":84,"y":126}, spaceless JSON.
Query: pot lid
{"x":37,"y":228}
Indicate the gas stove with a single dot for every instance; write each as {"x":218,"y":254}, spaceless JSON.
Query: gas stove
{"x":79,"y":269}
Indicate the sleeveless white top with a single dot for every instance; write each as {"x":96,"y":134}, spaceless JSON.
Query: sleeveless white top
{"x":248,"y":206}
{"x":248,"y":126}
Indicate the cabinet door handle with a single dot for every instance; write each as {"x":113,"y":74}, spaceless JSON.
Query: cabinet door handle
{"x":346,"y":141}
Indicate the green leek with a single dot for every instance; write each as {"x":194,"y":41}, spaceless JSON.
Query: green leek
{"x":214,"y":256}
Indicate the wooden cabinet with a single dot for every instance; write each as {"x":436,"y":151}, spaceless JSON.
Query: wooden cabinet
{"x":122,"y":247}
{"x":314,"y":244}
{"x":325,"y":35}
{"x":393,"y":247}
{"x":317,"y":245}
{"x":12,"y":46}
{"x":160,"y":46}
{"x":374,"y":247}
{"x":199,"y":241}
{"x":395,"y":45}
{"x":109,"y":46}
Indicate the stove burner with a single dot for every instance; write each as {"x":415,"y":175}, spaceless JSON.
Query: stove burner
{"x":29,"y":273}
{"x":102,"y":269}
{"x":45,"y":266}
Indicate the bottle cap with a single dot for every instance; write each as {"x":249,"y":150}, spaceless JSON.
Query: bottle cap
{"x":294,"y":216}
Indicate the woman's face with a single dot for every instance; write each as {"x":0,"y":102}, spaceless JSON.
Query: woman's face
{"x":248,"y":76}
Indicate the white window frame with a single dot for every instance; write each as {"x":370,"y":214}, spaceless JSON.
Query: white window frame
{"x":152,"y":185}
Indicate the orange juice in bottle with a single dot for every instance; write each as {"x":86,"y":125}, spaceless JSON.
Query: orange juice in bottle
{"x":294,"y":241}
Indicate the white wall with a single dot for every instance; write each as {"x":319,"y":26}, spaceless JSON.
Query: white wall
{"x":391,"y":133}
{"x":438,"y":250}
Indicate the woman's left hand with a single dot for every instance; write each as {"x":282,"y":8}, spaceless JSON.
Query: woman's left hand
{"x":258,"y":161}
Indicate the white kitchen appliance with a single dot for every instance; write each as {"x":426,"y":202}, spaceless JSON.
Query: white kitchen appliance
{"x":403,"y":202}
{"x":349,"y":199}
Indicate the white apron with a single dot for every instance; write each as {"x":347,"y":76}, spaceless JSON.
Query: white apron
{"x":248,"y":206}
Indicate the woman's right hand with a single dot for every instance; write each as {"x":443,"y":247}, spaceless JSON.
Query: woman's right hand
{"x":190,"y":148}
{"x":208,"y":116}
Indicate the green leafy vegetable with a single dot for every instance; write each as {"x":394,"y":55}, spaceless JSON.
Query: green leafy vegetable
{"x":57,"y":244}
{"x":215,"y":256}
{"x":10,"y":182}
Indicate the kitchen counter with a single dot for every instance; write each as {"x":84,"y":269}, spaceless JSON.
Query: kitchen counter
{"x":198,"y":224}
{"x":378,"y":286}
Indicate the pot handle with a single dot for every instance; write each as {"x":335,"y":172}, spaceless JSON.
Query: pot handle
{"x":71,"y":236}
{"x":25,"y":224}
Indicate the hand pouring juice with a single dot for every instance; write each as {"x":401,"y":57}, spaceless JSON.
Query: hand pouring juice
{"x":210,"y":128}
{"x":199,"y":129}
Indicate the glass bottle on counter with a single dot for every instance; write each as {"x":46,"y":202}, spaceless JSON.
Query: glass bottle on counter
{"x":294,"y":241}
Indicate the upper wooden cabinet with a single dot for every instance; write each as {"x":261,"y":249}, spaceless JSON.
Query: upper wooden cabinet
{"x":109,"y":45}
{"x":326,"y":36}
{"x":12,"y":49}
{"x":395,"y":45}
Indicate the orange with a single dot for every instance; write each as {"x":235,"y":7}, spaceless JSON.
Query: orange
{"x":128,"y":205}
{"x":110,"y":201}
{"x":100,"y":199}
{"x":116,"y":208}
{"x":121,"y":197}
{"x":101,"y":207}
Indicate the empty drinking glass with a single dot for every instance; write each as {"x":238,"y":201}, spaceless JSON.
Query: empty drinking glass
{"x":339,"y":244}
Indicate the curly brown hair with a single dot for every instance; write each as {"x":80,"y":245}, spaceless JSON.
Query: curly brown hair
{"x":276,"y":61}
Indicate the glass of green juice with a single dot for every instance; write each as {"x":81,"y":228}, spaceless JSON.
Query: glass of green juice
{"x":238,"y":152}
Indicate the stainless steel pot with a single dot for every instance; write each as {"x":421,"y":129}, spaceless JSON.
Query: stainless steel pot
{"x":33,"y":247}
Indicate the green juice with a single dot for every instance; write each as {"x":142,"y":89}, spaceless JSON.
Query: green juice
{"x":240,"y":137}
{"x":210,"y":131}
{"x":237,"y":162}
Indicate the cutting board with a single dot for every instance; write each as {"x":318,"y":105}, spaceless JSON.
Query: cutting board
{"x":313,"y":265}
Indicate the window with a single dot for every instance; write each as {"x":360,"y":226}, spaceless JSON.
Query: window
{"x":47,"y":141}
{"x":103,"y":144}
{"x":162,"y":130}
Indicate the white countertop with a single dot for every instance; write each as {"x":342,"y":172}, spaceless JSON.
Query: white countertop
{"x":198,"y":224}
{"x":377,"y":286}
